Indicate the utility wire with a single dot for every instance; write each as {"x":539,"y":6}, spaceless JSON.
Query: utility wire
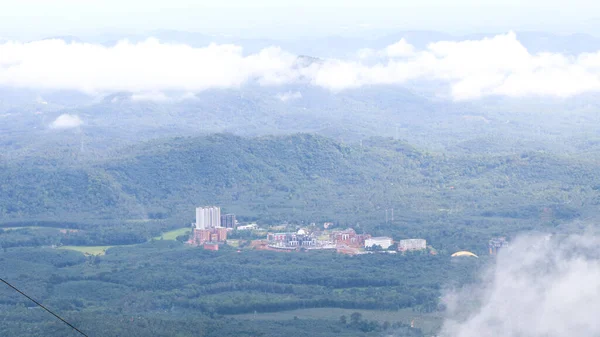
{"x":43,"y":307}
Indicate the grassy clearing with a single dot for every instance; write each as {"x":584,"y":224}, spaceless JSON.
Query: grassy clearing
{"x":139,"y":220}
{"x":172,"y":235}
{"x":427,"y":322}
{"x":101,"y":250}
{"x":6,"y":229}
{"x":88,"y":250}
{"x":27,"y":227}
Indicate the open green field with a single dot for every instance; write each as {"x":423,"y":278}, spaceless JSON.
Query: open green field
{"x":139,"y":220}
{"x":28,"y":227}
{"x":15,"y":228}
{"x":172,"y":235}
{"x":88,"y":250}
{"x":101,"y":250}
{"x":428,"y":323}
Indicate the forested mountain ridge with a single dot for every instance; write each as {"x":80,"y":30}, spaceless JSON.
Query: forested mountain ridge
{"x":301,"y":177}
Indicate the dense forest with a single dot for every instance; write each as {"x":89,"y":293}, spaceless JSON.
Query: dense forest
{"x":163,"y":285}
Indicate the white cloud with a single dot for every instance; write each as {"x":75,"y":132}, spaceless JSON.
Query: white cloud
{"x":399,"y":49}
{"x":150,"y":96}
{"x":471,"y":69}
{"x":159,"y":97}
{"x":149,"y":66}
{"x":395,"y":50}
{"x":366,"y":53}
{"x":289,"y":96}
{"x":539,"y":287}
{"x":66,"y":121}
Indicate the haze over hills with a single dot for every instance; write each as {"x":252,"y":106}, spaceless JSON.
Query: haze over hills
{"x":108,"y":142}
{"x":432,"y":123}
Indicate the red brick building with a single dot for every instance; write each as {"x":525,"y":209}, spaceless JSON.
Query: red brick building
{"x":212,"y":235}
{"x":348,"y":238}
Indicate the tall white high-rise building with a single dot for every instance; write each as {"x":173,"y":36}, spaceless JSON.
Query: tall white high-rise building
{"x":208,"y":217}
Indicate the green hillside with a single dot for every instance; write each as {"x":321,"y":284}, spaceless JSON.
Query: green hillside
{"x":308,"y":178}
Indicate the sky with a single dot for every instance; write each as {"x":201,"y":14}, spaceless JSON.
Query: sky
{"x":291,"y":18}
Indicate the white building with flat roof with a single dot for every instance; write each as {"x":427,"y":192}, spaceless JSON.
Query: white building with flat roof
{"x":383,"y":241}
{"x":248,"y":227}
{"x":208,"y":217}
{"x":412,"y":244}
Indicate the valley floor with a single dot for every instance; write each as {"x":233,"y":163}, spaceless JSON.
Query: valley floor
{"x":427,"y":322}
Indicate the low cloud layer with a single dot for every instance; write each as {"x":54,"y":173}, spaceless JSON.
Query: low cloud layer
{"x":498,"y":66}
{"x":66,"y":121}
{"x":289,"y":96}
{"x":539,"y":287}
{"x":146,"y":67}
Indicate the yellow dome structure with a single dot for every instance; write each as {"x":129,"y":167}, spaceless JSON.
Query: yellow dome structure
{"x":464,"y":253}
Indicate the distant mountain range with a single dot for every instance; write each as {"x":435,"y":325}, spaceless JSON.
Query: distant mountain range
{"x":349,"y":116}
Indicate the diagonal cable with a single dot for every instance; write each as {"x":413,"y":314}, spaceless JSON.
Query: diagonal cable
{"x":43,"y":307}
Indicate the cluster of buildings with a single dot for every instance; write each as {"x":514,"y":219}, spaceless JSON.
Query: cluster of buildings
{"x":316,"y":239}
{"x":495,"y":244}
{"x":211,"y":227}
{"x":344,"y":241}
{"x":291,"y":240}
